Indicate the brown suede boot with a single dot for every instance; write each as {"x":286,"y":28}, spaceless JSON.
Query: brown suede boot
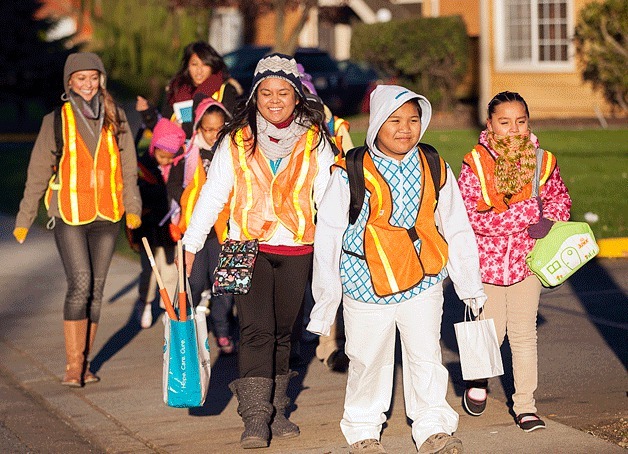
{"x":75,"y":333}
{"x":89,"y":376}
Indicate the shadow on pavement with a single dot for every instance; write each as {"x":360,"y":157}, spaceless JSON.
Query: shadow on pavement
{"x":120,"y":339}
{"x":605,"y":303}
{"x":225,"y":370}
{"x":132,"y":285}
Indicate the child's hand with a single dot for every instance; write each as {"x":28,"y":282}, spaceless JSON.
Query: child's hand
{"x":175,"y":232}
{"x":476,"y":304}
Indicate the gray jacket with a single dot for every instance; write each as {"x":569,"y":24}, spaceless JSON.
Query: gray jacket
{"x":40,"y":168}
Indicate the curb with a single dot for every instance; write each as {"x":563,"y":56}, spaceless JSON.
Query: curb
{"x":613,"y":247}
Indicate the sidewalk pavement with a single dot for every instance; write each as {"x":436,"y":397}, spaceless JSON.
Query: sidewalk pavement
{"x":125,"y":411}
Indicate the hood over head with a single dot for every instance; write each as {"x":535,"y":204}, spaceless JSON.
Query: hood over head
{"x":202,"y":102}
{"x":83,"y":61}
{"x":167,"y":136}
{"x":385,"y":99}
{"x":306,"y":79}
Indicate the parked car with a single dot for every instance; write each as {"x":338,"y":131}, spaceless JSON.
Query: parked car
{"x":359,"y":80}
{"x":341,"y":86}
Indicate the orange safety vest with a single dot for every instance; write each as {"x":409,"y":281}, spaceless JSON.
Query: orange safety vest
{"x":189,"y":199}
{"x":389,"y":250}
{"x":88,"y":187}
{"x":261,"y":200}
{"x":337,"y":138}
{"x":483,"y":165}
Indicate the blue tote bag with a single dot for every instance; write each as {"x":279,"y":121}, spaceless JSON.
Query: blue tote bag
{"x":187,"y":367}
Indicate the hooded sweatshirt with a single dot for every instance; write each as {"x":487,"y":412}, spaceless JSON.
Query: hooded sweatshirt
{"x":40,"y":167}
{"x":338,"y":274}
{"x":198,"y":148}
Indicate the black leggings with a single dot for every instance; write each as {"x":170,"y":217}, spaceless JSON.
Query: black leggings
{"x":86,"y":252}
{"x":268,"y":311}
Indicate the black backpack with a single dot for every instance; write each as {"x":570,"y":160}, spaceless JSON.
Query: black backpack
{"x":355,"y":173}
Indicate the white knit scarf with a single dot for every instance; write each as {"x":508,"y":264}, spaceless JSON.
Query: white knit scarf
{"x":286,"y":138}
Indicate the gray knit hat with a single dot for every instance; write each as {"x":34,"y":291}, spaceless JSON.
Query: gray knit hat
{"x":280,"y":66}
{"x":83,"y":61}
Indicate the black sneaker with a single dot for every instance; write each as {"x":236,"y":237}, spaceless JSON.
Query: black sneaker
{"x":531,"y":424}
{"x":337,"y":362}
{"x":472,"y":406}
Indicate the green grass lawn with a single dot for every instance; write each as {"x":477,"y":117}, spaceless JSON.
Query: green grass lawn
{"x":592,"y":162}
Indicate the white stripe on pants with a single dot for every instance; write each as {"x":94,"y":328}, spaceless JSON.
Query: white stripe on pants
{"x":370,"y":345}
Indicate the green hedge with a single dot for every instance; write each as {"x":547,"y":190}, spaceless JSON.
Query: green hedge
{"x":428,"y":55}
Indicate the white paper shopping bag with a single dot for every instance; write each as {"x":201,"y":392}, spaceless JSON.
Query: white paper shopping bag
{"x":478,"y":348}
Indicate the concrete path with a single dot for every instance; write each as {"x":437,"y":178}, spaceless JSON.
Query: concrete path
{"x":125,"y":411}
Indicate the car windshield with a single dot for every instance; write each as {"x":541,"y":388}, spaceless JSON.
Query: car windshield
{"x":241,"y":60}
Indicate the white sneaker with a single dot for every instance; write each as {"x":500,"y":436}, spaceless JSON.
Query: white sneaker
{"x":203,"y":304}
{"x":146,"y":321}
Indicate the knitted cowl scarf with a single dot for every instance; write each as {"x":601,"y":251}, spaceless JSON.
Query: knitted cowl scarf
{"x":284,"y":138}
{"x":515,"y":162}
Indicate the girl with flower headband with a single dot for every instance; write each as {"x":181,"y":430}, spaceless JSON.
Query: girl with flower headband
{"x":496,"y":183}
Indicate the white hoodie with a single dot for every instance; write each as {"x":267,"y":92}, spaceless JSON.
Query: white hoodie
{"x":333,"y":219}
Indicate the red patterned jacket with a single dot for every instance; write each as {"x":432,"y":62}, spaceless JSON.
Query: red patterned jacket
{"x":503,"y":240}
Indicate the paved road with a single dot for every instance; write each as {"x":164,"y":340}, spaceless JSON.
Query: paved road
{"x":582,"y":335}
{"x":28,"y":425}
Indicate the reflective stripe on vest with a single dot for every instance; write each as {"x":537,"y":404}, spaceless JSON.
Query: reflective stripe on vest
{"x":190,"y":197}
{"x":87,"y":187}
{"x":338,"y":122}
{"x":262,"y":200}
{"x":483,"y":165}
{"x":218,"y":94}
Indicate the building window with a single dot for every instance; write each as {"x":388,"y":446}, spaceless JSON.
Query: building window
{"x":534,"y":34}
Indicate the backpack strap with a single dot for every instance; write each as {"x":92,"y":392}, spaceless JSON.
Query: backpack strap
{"x":57,"y":125}
{"x":355,"y":172}
{"x":433,"y":161}
{"x":357,"y":188}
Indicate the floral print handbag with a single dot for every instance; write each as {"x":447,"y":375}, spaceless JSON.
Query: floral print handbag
{"x":234,"y":271}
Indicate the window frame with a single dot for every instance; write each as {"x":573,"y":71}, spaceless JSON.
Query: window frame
{"x":534,"y":64}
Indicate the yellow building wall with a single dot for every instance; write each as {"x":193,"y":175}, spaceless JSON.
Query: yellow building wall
{"x":549,"y":95}
{"x":469,"y":10}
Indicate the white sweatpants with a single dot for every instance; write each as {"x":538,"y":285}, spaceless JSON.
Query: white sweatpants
{"x":370,"y":345}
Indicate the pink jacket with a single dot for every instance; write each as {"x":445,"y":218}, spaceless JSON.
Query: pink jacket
{"x":503,"y":240}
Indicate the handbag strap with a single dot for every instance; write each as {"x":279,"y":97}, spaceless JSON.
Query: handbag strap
{"x":468,"y":315}
{"x":536,"y":181}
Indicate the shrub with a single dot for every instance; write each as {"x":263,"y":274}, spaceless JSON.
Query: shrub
{"x":428,"y":55}
{"x":141,"y":42}
{"x":600,"y":40}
